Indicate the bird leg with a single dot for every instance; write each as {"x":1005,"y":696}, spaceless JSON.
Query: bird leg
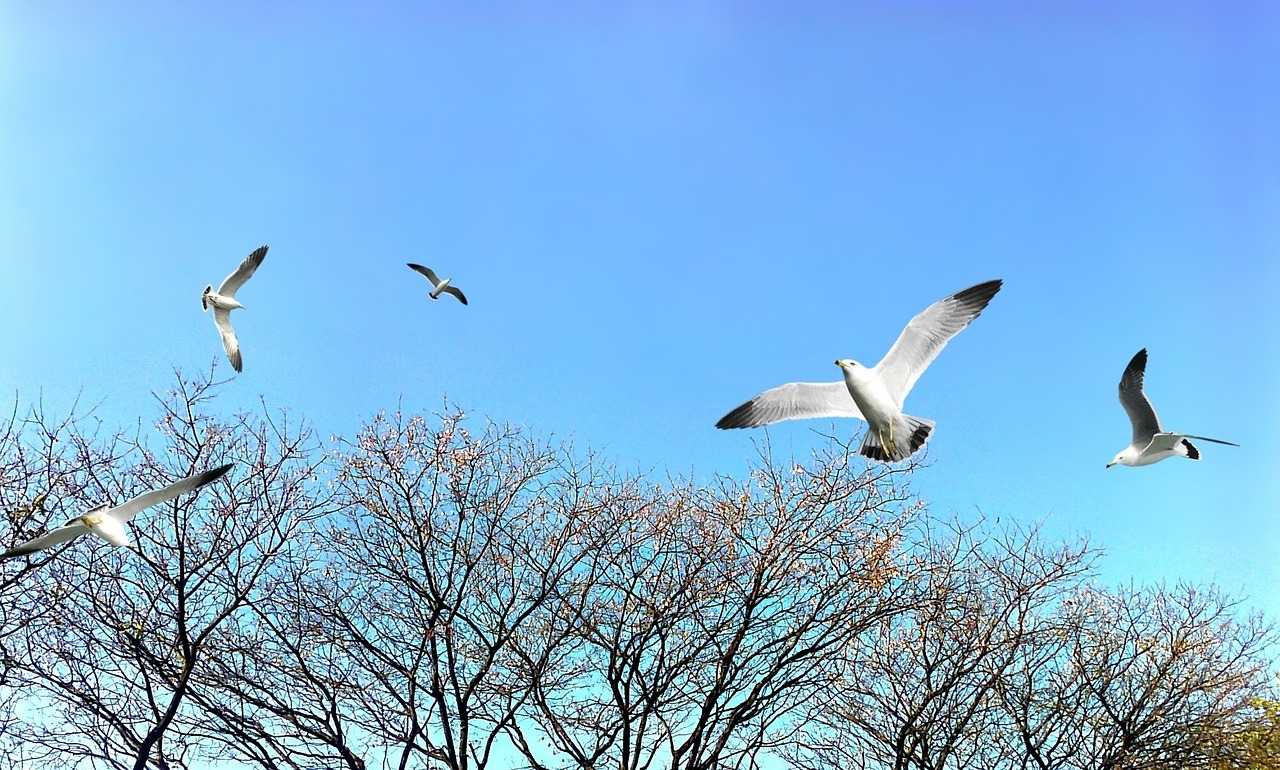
{"x":891,"y":448}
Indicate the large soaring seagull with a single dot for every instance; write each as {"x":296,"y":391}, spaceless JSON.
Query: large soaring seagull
{"x":107,"y":522}
{"x":224,"y":301}
{"x":875,"y":393}
{"x":1151,"y":443}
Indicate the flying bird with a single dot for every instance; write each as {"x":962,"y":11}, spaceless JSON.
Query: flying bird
{"x":107,"y":522}
{"x":1151,"y":443}
{"x":876,"y":393}
{"x":224,"y":301}
{"x":439,"y":285}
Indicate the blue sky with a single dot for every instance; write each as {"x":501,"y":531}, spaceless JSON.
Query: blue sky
{"x":661,"y":209}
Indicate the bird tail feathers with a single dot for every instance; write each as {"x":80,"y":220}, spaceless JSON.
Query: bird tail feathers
{"x":1214,"y":440}
{"x":909,"y":434}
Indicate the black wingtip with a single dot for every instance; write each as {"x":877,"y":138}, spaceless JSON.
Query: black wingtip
{"x":215,"y":473}
{"x":738,"y":418}
{"x":979,"y":295}
{"x":1192,"y":452}
{"x":1133,"y":373}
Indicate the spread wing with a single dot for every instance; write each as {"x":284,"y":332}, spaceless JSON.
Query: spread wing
{"x":60,"y":535}
{"x":1136,"y":404}
{"x":927,"y":334}
{"x":222,"y":318}
{"x":128,"y":510}
{"x":431,"y":276}
{"x":242,"y":273}
{"x":455,"y":292}
{"x":793,"y":401}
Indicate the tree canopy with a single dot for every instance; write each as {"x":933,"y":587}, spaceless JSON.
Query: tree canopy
{"x":443,"y":592}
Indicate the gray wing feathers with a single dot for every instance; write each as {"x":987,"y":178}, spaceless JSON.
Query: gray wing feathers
{"x":793,"y":401}
{"x":455,"y":292}
{"x":60,"y":535}
{"x":128,"y":510}
{"x":431,"y":276}
{"x":242,"y":273}
{"x":1142,"y":415}
{"x":230,"y":344}
{"x":927,"y":334}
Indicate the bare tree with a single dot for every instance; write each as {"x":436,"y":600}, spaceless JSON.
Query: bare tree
{"x":110,"y":665}
{"x":392,"y":642}
{"x":703,"y":628}
{"x":920,"y":690}
{"x":44,"y":462}
{"x":484,"y":594}
{"x":1145,"y":678}
{"x":465,"y":600}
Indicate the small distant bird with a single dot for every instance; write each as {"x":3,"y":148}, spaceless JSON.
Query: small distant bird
{"x":107,"y":522}
{"x":224,"y":301}
{"x":440,"y":286}
{"x":876,"y":393}
{"x":1151,"y":443}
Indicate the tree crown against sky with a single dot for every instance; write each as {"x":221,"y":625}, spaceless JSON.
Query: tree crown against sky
{"x":443,"y":591}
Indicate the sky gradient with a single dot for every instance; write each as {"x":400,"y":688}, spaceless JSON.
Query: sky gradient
{"x":658,"y":210}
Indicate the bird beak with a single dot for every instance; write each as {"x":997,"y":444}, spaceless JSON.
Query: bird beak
{"x":837,"y":363}
{"x":1110,"y":464}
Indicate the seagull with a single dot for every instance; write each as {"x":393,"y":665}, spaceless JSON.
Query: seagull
{"x":440,"y":286}
{"x":224,"y":301}
{"x":1151,"y":443}
{"x":876,"y":393}
{"x":107,"y":522}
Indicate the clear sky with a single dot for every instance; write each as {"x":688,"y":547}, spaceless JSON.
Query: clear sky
{"x":660,"y":209}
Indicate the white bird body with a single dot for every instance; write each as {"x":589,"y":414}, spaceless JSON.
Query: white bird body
{"x":1160,"y":446}
{"x":869,"y":393}
{"x":875,"y":394}
{"x":440,"y":287}
{"x":883,"y":412}
{"x":223,"y":301}
{"x":108,"y":523}
{"x":100,"y":522}
{"x":218,"y":301}
{"x":1150,"y":443}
